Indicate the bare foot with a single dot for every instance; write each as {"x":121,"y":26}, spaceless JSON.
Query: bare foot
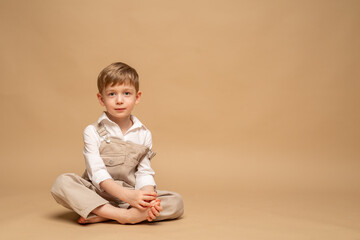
{"x":134,"y":215}
{"x":121,"y":215}
{"x":95,"y":219}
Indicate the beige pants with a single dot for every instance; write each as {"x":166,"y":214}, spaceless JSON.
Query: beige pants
{"x":79,"y":195}
{"x":121,"y":159}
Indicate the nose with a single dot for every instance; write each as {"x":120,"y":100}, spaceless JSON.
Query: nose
{"x":119,"y":99}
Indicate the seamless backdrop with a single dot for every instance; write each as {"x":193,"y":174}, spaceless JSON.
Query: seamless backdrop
{"x":239,"y":95}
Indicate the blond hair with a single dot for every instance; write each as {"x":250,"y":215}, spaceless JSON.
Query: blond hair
{"x":117,"y":73}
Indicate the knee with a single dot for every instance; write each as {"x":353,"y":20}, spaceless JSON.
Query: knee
{"x":177,"y":205}
{"x":60,"y":182}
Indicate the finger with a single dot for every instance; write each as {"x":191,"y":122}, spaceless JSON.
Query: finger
{"x":155,"y":202}
{"x":158,"y":203}
{"x":148,"y":198}
{"x":145,"y":204}
{"x":155,"y":212}
{"x":149,"y":219}
{"x":140,"y":207}
{"x":159,"y":208}
{"x":151,"y":193}
{"x":151,"y":215}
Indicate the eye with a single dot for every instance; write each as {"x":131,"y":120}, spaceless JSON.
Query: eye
{"x":127,"y":93}
{"x":111,"y":94}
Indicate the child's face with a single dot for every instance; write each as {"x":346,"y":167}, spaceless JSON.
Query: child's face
{"x":119,"y":100}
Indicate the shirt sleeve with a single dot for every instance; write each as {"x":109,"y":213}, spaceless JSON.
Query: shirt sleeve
{"x":95,"y":166}
{"x":145,"y":174}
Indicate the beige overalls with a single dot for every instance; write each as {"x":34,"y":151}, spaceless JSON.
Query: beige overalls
{"x":121,"y":159}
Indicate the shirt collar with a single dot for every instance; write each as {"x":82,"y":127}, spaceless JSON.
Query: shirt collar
{"x":104,"y":117}
{"x":136,"y":122}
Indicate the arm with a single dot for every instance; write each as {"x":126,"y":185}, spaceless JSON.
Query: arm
{"x":138,"y":198}
{"x":145,"y":174}
{"x":148,"y":188}
{"x":95,"y":166}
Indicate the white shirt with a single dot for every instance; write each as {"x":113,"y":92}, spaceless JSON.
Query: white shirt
{"x":95,"y":166}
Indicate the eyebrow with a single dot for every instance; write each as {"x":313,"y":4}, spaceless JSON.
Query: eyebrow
{"x":109,"y":90}
{"x":124,"y":89}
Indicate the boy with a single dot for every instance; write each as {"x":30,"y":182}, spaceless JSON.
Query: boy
{"x":118,"y":183}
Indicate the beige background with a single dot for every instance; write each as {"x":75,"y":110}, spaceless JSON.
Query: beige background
{"x":253,"y":106}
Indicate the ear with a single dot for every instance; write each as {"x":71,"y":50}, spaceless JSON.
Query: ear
{"x":100,"y":98}
{"x":138,"y":96}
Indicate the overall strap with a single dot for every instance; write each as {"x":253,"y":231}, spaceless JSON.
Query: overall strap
{"x":101,"y":130}
{"x":151,"y":154}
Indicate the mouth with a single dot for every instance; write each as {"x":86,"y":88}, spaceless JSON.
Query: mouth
{"x":120,"y":109}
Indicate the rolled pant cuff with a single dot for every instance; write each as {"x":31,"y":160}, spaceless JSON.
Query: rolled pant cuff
{"x":86,"y":212}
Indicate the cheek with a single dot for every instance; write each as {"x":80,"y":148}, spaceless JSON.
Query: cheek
{"x":130,"y":100}
{"x":106,"y":101}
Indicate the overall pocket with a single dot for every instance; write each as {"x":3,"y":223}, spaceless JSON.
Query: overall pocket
{"x":113,"y":160}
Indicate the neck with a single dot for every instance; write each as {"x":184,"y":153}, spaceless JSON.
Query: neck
{"x":124,"y":124}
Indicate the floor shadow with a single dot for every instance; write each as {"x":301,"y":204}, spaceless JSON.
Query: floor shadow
{"x":65,"y":216}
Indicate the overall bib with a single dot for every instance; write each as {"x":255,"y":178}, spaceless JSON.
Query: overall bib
{"x":121,"y":159}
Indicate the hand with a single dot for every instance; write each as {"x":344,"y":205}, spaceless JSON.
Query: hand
{"x":154,"y":210}
{"x":139,"y":198}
